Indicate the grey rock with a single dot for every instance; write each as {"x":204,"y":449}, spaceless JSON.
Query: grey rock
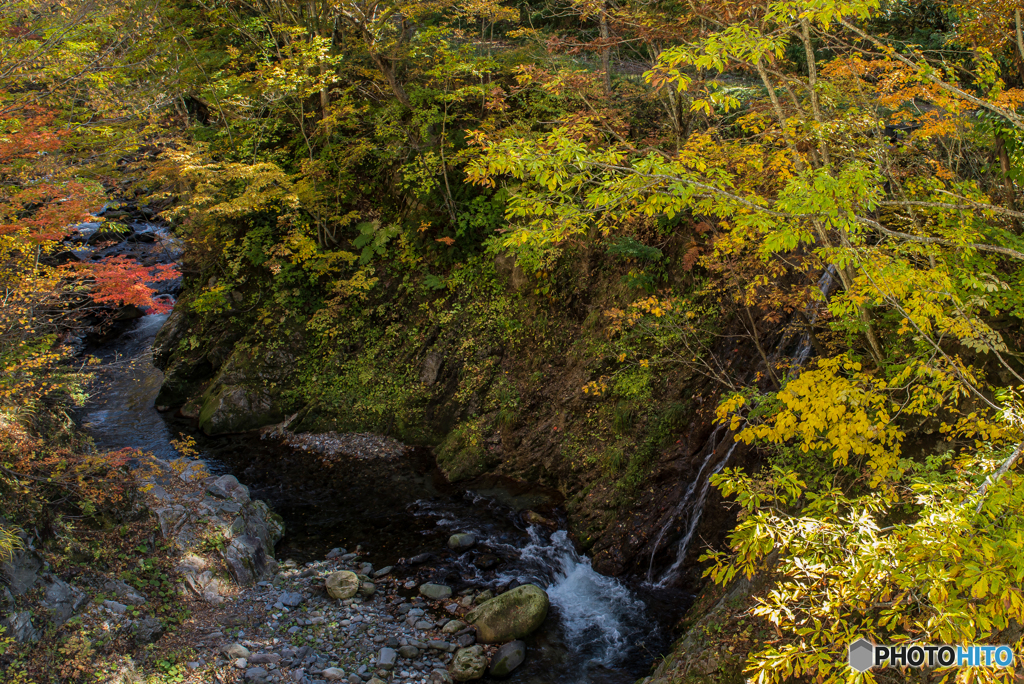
{"x":409,"y":652}
{"x":62,"y":600}
{"x":468,"y":664}
{"x":22,"y":572}
{"x":439,"y":645}
{"x":431,"y":368}
{"x":335,"y":552}
{"x":466,"y":640}
{"x":386,"y":658}
{"x":147,"y":630}
{"x":118,"y":608}
{"x":366,"y":589}
{"x":228,"y":487}
{"x":171,"y":519}
{"x":246,"y":559}
{"x":265,"y":658}
{"x":333,"y":673}
{"x":292,"y":598}
{"x":19,"y":627}
{"x":460,"y":542}
{"x":355,"y":679}
{"x":235,"y":651}
{"x":383,"y":571}
{"x":507,"y":658}
{"x":423,"y":624}
{"x":125,"y":593}
{"x":420,"y":558}
{"x":436,"y":592}
{"x":256,"y":674}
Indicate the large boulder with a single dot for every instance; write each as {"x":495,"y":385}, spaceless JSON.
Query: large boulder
{"x":246,"y":559}
{"x":511,"y":615}
{"x":468,"y":663}
{"x":342,"y":584}
{"x":62,"y":600}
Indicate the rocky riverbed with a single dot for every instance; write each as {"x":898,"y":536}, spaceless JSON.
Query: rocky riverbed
{"x":336,"y":619}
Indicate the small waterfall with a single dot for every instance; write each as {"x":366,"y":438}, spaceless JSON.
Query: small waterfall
{"x":825,"y":285}
{"x":695,"y":513}
{"x":599,"y":615}
{"x":683,"y":502}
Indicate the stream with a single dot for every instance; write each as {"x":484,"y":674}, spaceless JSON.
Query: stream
{"x":395,"y":508}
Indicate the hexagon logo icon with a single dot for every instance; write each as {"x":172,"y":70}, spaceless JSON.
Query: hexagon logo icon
{"x":862,"y":655}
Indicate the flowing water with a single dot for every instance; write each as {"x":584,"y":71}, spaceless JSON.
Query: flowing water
{"x":598,"y":631}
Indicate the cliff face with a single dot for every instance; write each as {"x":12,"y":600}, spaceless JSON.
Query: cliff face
{"x":495,"y":374}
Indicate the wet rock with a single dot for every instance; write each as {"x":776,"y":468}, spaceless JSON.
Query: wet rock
{"x":486,"y":561}
{"x":468,"y":664}
{"x":512,"y":615}
{"x":534,"y":518}
{"x":420,"y":558}
{"x":342,"y":584}
{"x":366,"y":589}
{"x":383,"y":571}
{"x":466,"y":640}
{"x":436,"y":592}
{"x":507,"y":658}
{"x":246,"y":559}
{"x":147,"y":630}
{"x":460,"y":542}
{"x":484,"y":596}
{"x":409,"y":652}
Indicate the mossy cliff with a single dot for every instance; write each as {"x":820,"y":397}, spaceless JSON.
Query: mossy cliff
{"x":532,"y":376}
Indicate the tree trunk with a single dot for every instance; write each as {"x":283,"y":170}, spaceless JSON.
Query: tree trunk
{"x":388,"y":70}
{"x":606,"y":52}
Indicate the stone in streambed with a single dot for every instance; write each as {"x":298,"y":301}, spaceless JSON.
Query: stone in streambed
{"x":386,"y":658}
{"x":512,"y":615}
{"x":507,"y":658}
{"x":436,"y":592}
{"x":468,"y":663}
{"x":459,"y":542}
{"x":236,"y":651}
{"x":409,"y":652}
{"x":453,"y":626}
{"x":333,"y":674}
{"x":342,"y":584}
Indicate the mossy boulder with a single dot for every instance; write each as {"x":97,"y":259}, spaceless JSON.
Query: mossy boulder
{"x":512,"y":615}
{"x":343,"y":584}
